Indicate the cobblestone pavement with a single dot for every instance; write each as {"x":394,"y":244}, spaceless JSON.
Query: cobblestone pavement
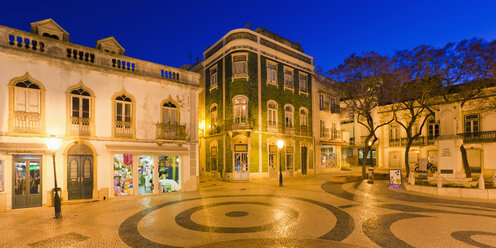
{"x":306,"y":212}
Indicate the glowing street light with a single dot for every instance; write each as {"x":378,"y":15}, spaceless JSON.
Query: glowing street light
{"x":280,"y":145}
{"x":53,"y":145}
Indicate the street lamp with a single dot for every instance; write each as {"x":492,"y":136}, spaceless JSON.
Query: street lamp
{"x":53,"y":145}
{"x":280,"y":145}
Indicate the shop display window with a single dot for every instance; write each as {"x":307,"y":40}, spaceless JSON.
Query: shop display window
{"x":123,"y":174}
{"x":169,"y":173}
{"x":328,"y":156}
{"x":2,"y":189}
{"x":145,"y":172}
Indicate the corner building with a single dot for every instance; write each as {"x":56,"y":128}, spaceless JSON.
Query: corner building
{"x":256,"y":91}
{"x":127,"y":126}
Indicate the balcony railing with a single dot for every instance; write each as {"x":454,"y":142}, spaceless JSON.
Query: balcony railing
{"x":171,"y":131}
{"x":419,"y":141}
{"x":123,"y":129}
{"x":328,"y":133}
{"x":26,"y":41}
{"x":215,"y":129}
{"x":25,"y":122}
{"x":304,"y":131}
{"x":80,"y":126}
{"x":239,"y":123}
{"x":475,"y":137}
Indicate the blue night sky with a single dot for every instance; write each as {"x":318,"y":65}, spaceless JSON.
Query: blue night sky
{"x":166,"y":32}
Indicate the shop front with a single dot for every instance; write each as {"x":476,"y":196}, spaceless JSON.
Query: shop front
{"x":26,"y":181}
{"x":240,"y":162}
{"x":141,"y":174}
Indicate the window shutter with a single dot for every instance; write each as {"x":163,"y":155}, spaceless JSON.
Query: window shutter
{"x":34,"y":101}
{"x":20,"y":100}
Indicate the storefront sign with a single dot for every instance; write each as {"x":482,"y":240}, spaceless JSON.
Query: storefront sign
{"x":395,"y":177}
{"x":446,"y":152}
{"x":240,"y":148}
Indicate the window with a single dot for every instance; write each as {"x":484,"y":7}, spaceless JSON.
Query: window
{"x":272,"y":114}
{"x":289,"y":157}
{"x":240,"y":65}
{"x":471,"y":123}
{"x":213,"y":77}
{"x":322,"y":128}
{"x":432,"y":129}
{"x":272,"y":157}
{"x":334,"y":131}
{"x":288,"y":123}
{"x":240,"y":110}
{"x":123,"y":122}
{"x":321,"y":102}
{"x":27,"y":117}
{"x":169,"y":113}
{"x":80,"y":111}
{"x":303,"y":83}
{"x":213,"y":116}
{"x":271,"y":73}
{"x":213,"y":158}
{"x":288,"y":78}
{"x":334,"y":106}
{"x":303,"y":117}
{"x":394,"y":133}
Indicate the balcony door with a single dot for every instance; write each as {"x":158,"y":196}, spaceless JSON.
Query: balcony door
{"x":80,"y":112}
{"x":240,"y":110}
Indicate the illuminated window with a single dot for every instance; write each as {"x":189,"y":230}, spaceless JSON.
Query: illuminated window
{"x":288,"y":78}
{"x":123,"y":119}
{"x":271,"y":73}
{"x":213,"y":77}
{"x":288,"y":113}
{"x":240,"y":65}
{"x":272,"y":113}
{"x":240,"y":110}
{"x":303,"y":82}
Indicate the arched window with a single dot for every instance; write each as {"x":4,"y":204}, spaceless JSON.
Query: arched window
{"x":240,"y":110}
{"x":81,"y":111}
{"x":27,"y":116}
{"x":303,"y":117}
{"x":288,"y":113}
{"x":272,"y":113}
{"x":169,"y":113}
{"x":213,"y":116}
{"x":123,"y":119}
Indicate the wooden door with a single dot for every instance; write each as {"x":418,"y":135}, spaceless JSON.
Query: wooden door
{"x":80,"y":177}
{"x":304,"y":160}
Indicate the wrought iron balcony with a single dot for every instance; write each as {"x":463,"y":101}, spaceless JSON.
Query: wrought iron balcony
{"x":171,"y":131}
{"x":305,"y":131}
{"x":80,"y":126}
{"x":239,"y":123}
{"x":476,"y":137}
{"x":123,"y":129}
{"x":25,"y":122}
{"x":215,"y":129}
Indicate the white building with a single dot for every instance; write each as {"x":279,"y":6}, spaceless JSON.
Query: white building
{"x":126,"y":126}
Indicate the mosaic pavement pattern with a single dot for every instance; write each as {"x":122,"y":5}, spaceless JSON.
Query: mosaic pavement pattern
{"x":306,"y":212}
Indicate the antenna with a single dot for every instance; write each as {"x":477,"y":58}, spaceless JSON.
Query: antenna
{"x":247,"y":25}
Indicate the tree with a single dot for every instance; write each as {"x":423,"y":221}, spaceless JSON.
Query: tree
{"x":413,"y":102}
{"x":363,"y":82}
{"x":468,"y":68}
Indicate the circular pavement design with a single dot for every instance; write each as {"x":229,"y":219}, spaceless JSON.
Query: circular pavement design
{"x":249,"y":219}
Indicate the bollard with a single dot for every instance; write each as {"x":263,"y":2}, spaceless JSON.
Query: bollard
{"x":411,"y":179}
{"x":481,"y":182}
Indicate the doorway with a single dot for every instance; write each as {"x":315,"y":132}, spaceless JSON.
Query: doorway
{"x":80,"y":177}
{"x":145,"y":175}
{"x":240,"y":162}
{"x":304,"y":160}
{"x":27,"y":181}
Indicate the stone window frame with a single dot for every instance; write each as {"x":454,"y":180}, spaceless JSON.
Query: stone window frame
{"x":12,"y":130}
{"x":301,"y":116}
{"x":289,"y":69}
{"x":132,"y":115}
{"x":214,"y":75}
{"x":177,"y":109}
{"x":233,"y":63}
{"x":276,"y":109}
{"x":274,"y":81}
{"x":214,"y":107}
{"x":286,"y":115}
{"x":246,"y":115}
{"x":305,"y":75}
{"x":465,"y":116}
{"x":91,"y":97}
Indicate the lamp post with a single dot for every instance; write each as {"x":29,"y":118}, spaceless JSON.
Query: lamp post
{"x":53,"y":145}
{"x":280,"y":145}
